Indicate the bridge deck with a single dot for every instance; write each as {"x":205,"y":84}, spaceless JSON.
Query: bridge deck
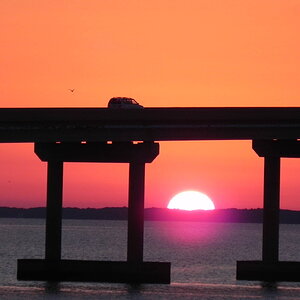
{"x":148,"y":124}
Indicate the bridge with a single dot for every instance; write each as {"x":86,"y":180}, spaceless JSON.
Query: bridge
{"x":131,"y":136}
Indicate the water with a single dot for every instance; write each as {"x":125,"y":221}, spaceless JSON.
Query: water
{"x":203,"y":258}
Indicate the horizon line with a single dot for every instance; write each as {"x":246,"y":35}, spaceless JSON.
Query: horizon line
{"x":75,"y":207}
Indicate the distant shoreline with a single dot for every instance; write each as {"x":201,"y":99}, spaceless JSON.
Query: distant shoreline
{"x":230,"y":215}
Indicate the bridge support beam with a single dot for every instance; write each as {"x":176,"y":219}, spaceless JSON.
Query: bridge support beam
{"x":270,"y":243}
{"x":135,"y":237}
{"x":134,"y":270}
{"x":54,"y":210}
{"x":270,"y":268}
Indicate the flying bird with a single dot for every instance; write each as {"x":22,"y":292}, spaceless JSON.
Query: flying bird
{"x":71,"y":90}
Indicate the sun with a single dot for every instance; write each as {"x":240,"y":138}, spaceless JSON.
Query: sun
{"x":191,"y":200}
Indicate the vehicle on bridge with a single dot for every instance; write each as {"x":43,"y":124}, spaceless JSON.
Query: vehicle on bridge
{"x":123,"y":102}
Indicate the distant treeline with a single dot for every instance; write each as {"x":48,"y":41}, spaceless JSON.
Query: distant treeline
{"x":155,"y":214}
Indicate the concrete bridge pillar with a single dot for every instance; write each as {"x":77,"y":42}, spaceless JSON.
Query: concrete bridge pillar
{"x":135,"y":237}
{"x":134,"y":270}
{"x":54,"y":210}
{"x":270,"y":243}
{"x":270,"y":268}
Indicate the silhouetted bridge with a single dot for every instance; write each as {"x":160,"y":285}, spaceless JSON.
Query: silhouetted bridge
{"x":107,"y":135}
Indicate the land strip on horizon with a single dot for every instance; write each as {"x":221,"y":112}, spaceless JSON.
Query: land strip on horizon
{"x":155,"y":214}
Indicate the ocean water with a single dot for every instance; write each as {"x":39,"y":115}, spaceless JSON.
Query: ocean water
{"x":203,"y":259}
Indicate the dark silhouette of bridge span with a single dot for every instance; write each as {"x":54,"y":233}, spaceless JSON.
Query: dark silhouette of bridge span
{"x":148,"y":124}
{"x":107,"y":135}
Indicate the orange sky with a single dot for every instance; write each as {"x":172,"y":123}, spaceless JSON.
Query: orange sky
{"x":163,"y":54}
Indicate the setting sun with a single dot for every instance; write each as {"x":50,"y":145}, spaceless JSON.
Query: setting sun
{"x":191,"y":200}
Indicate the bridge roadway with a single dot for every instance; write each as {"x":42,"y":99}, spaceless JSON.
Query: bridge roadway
{"x":148,"y":124}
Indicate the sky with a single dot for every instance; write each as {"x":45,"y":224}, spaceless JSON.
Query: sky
{"x":191,"y":53}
